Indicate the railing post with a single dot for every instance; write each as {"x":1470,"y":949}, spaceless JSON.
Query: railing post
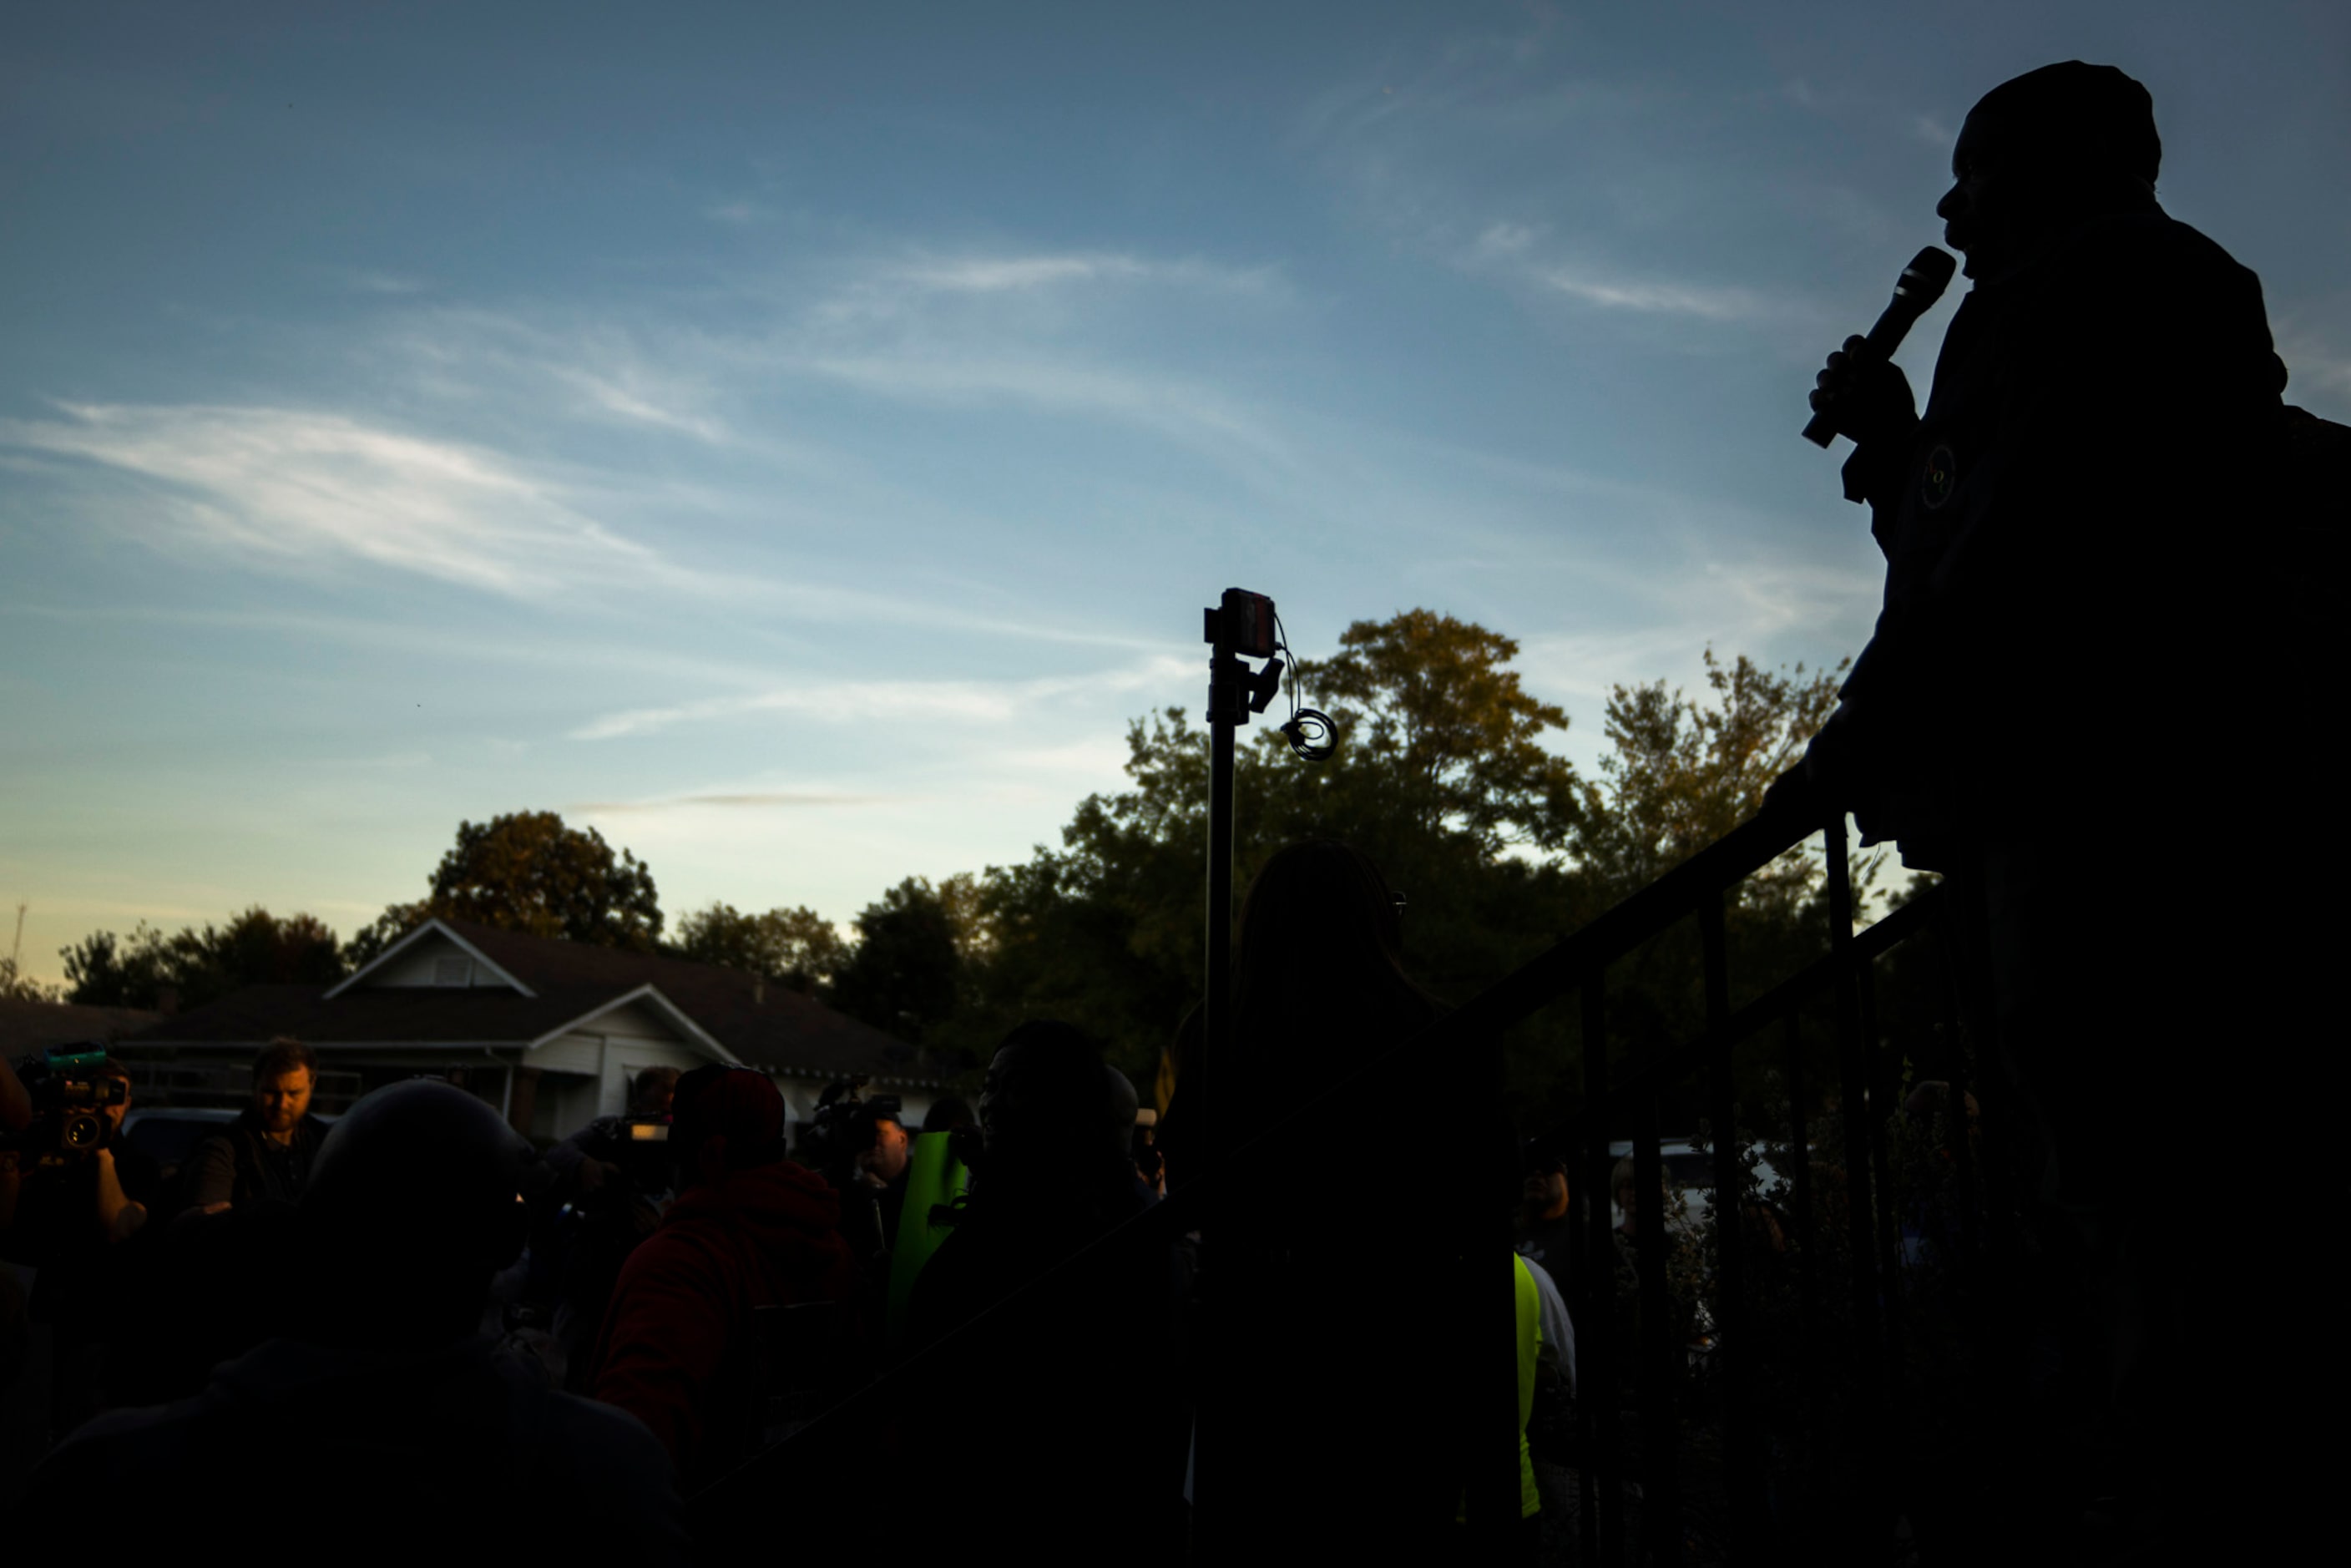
{"x":1581,"y":1298}
{"x":1660,"y":1346}
{"x":1885,"y":1103}
{"x":1867,"y":1343}
{"x":1597,"y":1355}
{"x":1808,"y":1270}
{"x":1734,"y":1325}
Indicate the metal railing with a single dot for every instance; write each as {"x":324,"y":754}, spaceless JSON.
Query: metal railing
{"x":744,"y":1503}
{"x":1868,"y":1094}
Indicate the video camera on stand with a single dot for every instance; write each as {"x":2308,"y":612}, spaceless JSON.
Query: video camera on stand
{"x":843,"y":1128}
{"x":72,"y":1090}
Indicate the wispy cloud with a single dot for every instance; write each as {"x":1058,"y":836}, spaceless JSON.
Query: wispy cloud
{"x":892,"y":702}
{"x":1659,"y":297}
{"x":636,"y":404}
{"x":991,"y":275}
{"x":1518,"y":250}
{"x":1933,"y":131}
{"x":986,"y":274}
{"x":764,"y":800}
{"x":1187,"y":412}
{"x":299,"y":489}
{"x":596,"y":369}
{"x":385,"y":283}
{"x":2310,"y":360}
{"x":903,"y":290}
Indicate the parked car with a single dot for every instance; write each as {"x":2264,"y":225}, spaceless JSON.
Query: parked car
{"x":1691,"y":1169}
{"x":168,"y":1134}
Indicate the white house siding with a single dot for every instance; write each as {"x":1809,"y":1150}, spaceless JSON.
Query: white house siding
{"x":635,"y":1022}
{"x":624,"y":1059}
{"x":570,"y":1053}
{"x":566,"y":1102}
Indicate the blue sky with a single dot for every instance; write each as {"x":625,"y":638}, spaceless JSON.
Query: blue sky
{"x":797,"y":439}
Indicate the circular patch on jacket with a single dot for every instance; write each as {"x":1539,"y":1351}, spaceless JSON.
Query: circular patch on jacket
{"x":1937,"y":480}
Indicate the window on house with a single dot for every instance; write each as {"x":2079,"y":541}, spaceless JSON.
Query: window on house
{"x":452,"y":971}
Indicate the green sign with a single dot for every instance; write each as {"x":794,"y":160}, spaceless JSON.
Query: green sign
{"x":935,"y":1179}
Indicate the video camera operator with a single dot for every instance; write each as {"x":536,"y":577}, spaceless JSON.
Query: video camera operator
{"x":70,"y":1194}
{"x":609,"y":1185}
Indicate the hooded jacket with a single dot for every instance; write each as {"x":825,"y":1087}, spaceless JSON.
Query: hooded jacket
{"x":680,"y":1348}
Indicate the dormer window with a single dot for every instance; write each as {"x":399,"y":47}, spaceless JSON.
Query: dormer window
{"x":458,"y":972}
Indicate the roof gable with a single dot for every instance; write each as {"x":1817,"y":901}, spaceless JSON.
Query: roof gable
{"x":433,"y":954}
{"x":650,"y":1000}
{"x":529,"y":990}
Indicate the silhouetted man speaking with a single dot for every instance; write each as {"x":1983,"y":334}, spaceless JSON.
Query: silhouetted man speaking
{"x":2081,"y":633}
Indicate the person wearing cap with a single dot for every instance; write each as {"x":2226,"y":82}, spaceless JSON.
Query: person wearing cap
{"x":2084,"y":562}
{"x":1546,"y":1221}
{"x":873,"y":1183}
{"x":750,"y":1229}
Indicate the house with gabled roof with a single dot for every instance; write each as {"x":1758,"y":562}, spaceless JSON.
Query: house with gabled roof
{"x":550,"y":1031}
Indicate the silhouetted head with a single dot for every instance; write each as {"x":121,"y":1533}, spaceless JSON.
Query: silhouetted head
{"x":1544,"y":1188}
{"x":1051,"y":1108}
{"x":946,"y":1115}
{"x":1320,"y":948}
{"x":724,"y":1120}
{"x":2045,"y":149}
{"x":413,"y":1206}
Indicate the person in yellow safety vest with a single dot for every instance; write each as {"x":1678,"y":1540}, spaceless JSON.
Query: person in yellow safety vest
{"x":1529,"y":1324}
{"x":1531,"y":1348}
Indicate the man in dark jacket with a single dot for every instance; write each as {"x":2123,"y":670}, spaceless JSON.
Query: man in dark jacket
{"x":267,"y":1151}
{"x":387,"y":1426}
{"x":681,"y":1348}
{"x":2085,"y":570}
{"x":1076,"y":1424}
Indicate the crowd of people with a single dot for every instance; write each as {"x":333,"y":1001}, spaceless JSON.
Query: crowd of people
{"x":413,"y":1331}
{"x":526,"y":1347}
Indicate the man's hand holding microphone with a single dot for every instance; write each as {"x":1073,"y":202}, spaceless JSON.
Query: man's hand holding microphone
{"x":1864,"y":397}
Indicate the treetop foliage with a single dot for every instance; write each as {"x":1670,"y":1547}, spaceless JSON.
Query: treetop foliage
{"x":1436,"y":700}
{"x":795,"y":947}
{"x":527,"y":872}
{"x":255,"y":948}
{"x":1680,"y":774}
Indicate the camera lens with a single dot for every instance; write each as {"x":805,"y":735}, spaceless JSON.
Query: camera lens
{"x":80,"y":1133}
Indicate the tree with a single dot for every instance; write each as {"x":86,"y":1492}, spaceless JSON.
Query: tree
{"x":15,"y":985}
{"x":795,"y":947}
{"x":253,"y":948}
{"x":527,"y":871}
{"x":906,"y":974}
{"x":1431,"y":709}
{"x":1680,"y":775}
{"x":1443,"y":775}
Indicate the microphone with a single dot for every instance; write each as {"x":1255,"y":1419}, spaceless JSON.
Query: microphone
{"x":1915,"y":292}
